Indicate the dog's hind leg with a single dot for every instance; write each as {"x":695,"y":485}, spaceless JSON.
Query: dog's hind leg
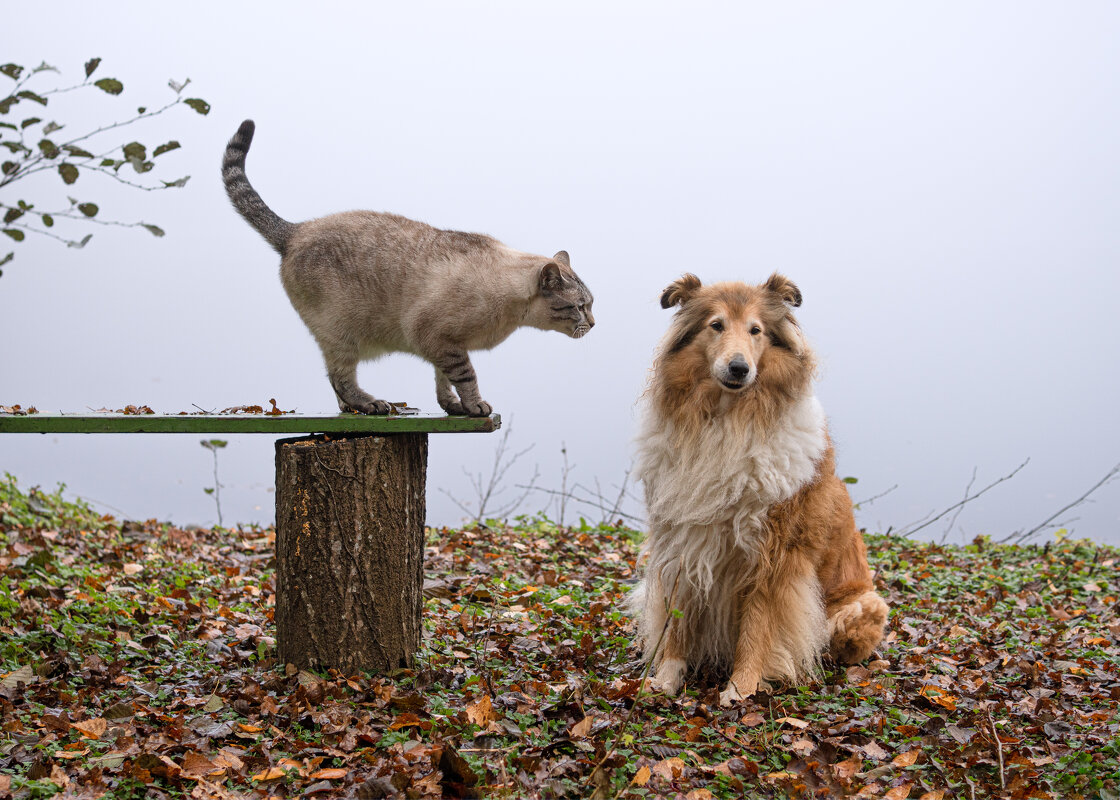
{"x":660,"y":636}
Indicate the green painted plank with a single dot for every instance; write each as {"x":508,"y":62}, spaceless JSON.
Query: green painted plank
{"x":244,"y":423}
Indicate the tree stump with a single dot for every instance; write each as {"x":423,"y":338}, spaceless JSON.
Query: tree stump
{"x":350,"y":550}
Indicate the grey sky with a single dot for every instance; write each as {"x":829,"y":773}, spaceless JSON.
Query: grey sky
{"x":941,"y":180}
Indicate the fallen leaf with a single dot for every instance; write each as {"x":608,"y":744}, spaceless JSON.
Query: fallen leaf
{"x":270,"y":774}
{"x":25,"y":675}
{"x":641,"y":777}
{"x":481,"y":713}
{"x":873,"y":751}
{"x":331,"y":774}
{"x":91,"y":728}
{"x":907,"y":759}
{"x":699,"y":794}
{"x":936,"y":794}
{"x":793,"y":722}
{"x":581,"y":728}
{"x":898,"y":792}
{"x":669,"y":768}
{"x":196,"y":765}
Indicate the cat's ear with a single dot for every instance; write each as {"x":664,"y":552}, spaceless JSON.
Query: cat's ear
{"x":679,"y":292}
{"x":551,"y":278}
{"x":785,"y":289}
{"x":562,"y":259}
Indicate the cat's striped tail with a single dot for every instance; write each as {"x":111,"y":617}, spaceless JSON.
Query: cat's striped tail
{"x":244,"y":197}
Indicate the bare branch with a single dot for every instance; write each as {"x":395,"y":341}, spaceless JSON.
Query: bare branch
{"x":1019,"y":537}
{"x":910,"y":531}
{"x":873,"y":498}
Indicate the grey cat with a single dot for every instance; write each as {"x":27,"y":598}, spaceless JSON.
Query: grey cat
{"x":367,"y":283}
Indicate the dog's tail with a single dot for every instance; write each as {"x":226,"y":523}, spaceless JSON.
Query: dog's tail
{"x":276,"y":231}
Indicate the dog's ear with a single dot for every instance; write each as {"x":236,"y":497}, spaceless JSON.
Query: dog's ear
{"x":678,"y":293}
{"x":785,"y":289}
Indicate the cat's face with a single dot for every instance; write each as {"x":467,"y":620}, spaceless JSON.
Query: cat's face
{"x":564,"y":302}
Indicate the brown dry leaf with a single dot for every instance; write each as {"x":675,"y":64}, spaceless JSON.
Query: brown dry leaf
{"x":581,"y":728}
{"x":669,"y":768}
{"x":641,"y":777}
{"x":5,"y":783}
{"x":752,"y":720}
{"x":58,"y":777}
{"x":793,"y":722}
{"x":802,"y":747}
{"x":481,"y":713}
{"x":699,"y":794}
{"x":873,"y":751}
{"x":907,"y":759}
{"x":24,"y":675}
{"x":91,"y":728}
{"x":132,"y":568}
{"x":936,"y":794}
{"x":331,"y":774}
{"x":196,"y":765}
{"x":270,"y":774}
{"x":847,"y":768}
{"x":899,"y":792}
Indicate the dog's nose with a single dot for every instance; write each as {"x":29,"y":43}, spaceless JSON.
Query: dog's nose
{"x":738,"y":369}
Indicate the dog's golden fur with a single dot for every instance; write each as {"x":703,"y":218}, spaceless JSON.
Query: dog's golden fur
{"x":752,"y":539}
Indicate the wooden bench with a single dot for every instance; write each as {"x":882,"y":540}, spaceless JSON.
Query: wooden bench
{"x":350,"y":511}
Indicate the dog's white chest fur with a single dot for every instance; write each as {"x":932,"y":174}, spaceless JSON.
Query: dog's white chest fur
{"x":728,"y":475}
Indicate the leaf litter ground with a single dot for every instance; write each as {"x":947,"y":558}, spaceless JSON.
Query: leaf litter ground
{"x":137,"y":660}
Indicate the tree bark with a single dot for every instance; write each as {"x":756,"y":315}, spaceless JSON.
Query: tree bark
{"x":350,"y":550}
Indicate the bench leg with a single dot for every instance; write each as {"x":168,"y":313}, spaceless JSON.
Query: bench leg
{"x":350,"y":550}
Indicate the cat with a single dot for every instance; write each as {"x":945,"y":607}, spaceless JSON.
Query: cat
{"x":367,"y":283}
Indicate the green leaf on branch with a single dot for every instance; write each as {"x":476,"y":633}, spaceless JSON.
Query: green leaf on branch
{"x":82,"y":243}
{"x":49,"y":148}
{"x":7,"y":258}
{"x":7,"y":103}
{"x":8,"y":125}
{"x":176,"y":184}
{"x":135,"y":150}
{"x":68,"y":172}
{"x":16,"y":147}
{"x":76,"y":151}
{"x":26,"y":95}
{"x":9,"y":167}
{"x":13,"y":71}
{"x":155,"y":230}
{"x":30,"y":121}
{"x":12,"y":215}
{"x":164,"y":148}
{"x":15,"y":233}
{"x":198,"y":104}
{"x":851,"y":480}
{"x":91,"y":65}
{"x":213,"y":444}
{"x":110,"y":162}
{"x":48,"y":220}
{"x":50,"y":128}
{"x":110,"y":85}
{"x":89,"y":209}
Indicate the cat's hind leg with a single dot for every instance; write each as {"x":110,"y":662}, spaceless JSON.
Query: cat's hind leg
{"x":453,"y":368}
{"x":351,"y":397}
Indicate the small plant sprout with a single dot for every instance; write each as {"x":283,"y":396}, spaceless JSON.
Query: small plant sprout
{"x":214,"y":445}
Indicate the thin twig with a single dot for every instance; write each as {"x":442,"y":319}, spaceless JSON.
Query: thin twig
{"x":1020,"y":537}
{"x":910,"y":531}
{"x":953,"y":519}
{"x":999,"y":751}
{"x":586,"y":501}
{"x":873,"y":498}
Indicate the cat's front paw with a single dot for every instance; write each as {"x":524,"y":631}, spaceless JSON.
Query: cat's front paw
{"x":479,"y":409}
{"x":372,"y":406}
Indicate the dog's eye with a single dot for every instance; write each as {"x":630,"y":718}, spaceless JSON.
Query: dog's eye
{"x":755,"y":331}
{"x":716,"y":325}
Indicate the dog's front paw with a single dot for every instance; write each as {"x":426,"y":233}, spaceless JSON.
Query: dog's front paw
{"x":739,"y":690}
{"x":669,"y":677}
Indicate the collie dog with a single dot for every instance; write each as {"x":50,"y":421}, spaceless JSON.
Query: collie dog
{"x":754,"y":560}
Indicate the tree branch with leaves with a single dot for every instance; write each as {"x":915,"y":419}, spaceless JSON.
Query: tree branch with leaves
{"x":31,"y":150}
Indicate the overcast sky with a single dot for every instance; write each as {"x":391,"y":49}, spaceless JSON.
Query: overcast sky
{"x":942,"y":180}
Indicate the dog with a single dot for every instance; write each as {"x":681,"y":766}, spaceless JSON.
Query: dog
{"x":754,"y":563}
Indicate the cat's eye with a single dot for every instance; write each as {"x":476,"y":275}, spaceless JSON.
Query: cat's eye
{"x":755,"y":331}
{"x":716,"y":325}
